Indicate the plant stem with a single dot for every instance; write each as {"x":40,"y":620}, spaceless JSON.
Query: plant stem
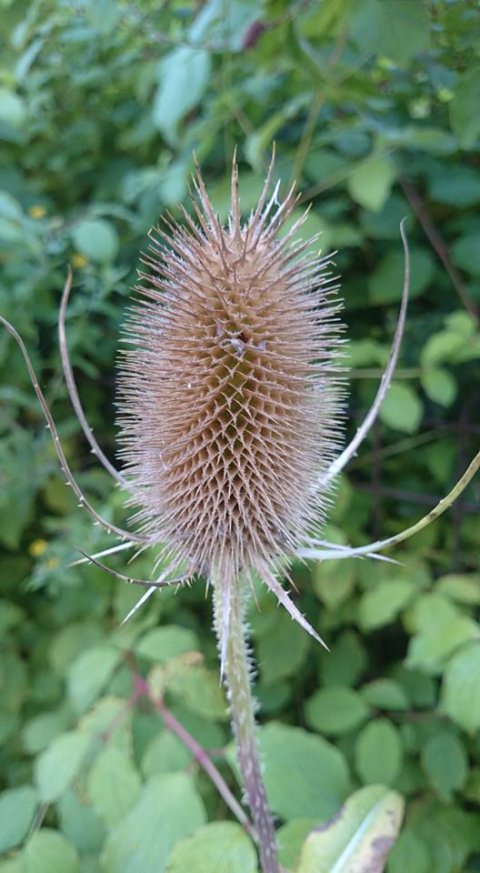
{"x":237,"y":670}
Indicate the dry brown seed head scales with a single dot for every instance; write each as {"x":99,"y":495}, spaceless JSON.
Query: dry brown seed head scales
{"x":229,"y":394}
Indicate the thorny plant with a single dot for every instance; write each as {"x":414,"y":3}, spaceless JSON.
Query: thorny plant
{"x":230,"y":400}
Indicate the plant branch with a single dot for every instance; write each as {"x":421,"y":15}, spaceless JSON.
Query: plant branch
{"x":372,"y":413}
{"x":371,"y":549}
{"x":142,"y":689}
{"x":438,"y":245}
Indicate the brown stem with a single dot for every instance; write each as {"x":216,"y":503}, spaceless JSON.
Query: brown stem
{"x":438,"y":245}
{"x":142,"y":689}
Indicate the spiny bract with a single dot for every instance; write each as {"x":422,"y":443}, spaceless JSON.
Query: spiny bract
{"x":229,"y":396}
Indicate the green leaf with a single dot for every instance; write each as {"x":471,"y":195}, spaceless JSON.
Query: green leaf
{"x":224,"y":27}
{"x":12,"y":108}
{"x":460,"y":189}
{"x":398,"y":29}
{"x":441,"y":628}
{"x":282,"y":650}
{"x":465,"y":109}
{"x":386,"y":283}
{"x":184,"y":74}
{"x":89,"y":674}
{"x":49,"y":852}
{"x":221,"y":847}
{"x":335,"y":710}
{"x":461,"y":688}
{"x":165,"y":754}
{"x":445,"y":762}
{"x":305,"y":776}
{"x":70,"y":641}
{"x":370,"y":183}
{"x":168,"y":810}
{"x":381,"y":605}
{"x":346,"y":662}
{"x":60,"y":763}
{"x":466,"y":254}
{"x":291,"y":837}
{"x":17,"y":809}
{"x":410,"y":853}
{"x":385,"y":694}
{"x":439,"y":385}
{"x":113,"y":784}
{"x":378,"y":752}
{"x":164,"y":643}
{"x":96,"y":239}
{"x":462,"y":588}
{"x":42,"y":729}
{"x":198,"y":689}
{"x":359,"y":838}
{"x":79,"y":823}
{"x":401,"y":409}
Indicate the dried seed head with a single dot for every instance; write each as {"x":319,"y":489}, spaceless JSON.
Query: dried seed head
{"x":229,"y":397}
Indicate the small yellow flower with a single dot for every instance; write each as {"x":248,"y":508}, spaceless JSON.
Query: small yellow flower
{"x":37,"y":211}
{"x":53,"y":563}
{"x":37,"y":548}
{"x":79,"y":260}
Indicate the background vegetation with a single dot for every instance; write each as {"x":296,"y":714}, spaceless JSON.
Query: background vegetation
{"x":375,"y":109}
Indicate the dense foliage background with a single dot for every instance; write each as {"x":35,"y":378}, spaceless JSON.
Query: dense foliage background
{"x":375,"y":109}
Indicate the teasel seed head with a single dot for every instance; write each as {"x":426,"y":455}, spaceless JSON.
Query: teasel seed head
{"x":229,"y":394}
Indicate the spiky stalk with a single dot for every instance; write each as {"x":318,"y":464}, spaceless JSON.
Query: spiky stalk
{"x":231,"y":596}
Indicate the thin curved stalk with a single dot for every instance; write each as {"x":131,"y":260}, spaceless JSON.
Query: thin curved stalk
{"x":111,"y":551}
{"x":237,"y":678}
{"x":338,"y":465}
{"x":83,"y":501}
{"x":72,"y":387}
{"x":371,"y":548}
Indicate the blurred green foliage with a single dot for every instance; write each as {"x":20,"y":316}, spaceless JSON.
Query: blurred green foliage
{"x":375,"y":109}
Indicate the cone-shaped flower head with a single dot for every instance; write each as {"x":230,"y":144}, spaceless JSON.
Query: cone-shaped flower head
{"x":229,"y":397}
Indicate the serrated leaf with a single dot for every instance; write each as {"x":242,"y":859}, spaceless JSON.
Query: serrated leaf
{"x":465,"y":109}
{"x":305,"y":776}
{"x":60,"y":763}
{"x":50,"y":852}
{"x":335,"y":710}
{"x":439,"y":385}
{"x":89,"y":674}
{"x":17,"y":809}
{"x":395,"y":28}
{"x":370,"y":183}
{"x":168,"y":810}
{"x":42,"y":729}
{"x":383,"y":602}
{"x":79,"y":823}
{"x":402,"y":409}
{"x":96,"y":239}
{"x":445,"y":762}
{"x":198,"y":689}
{"x":410,"y":853}
{"x":461,"y":688}
{"x":441,"y":628}
{"x":282,"y":649}
{"x":378,"y":752}
{"x":385,"y":285}
{"x":359,"y":838}
{"x":462,"y":588}
{"x":113,"y":784}
{"x":165,"y":754}
{"x":385,"y":694}
{"x":183,"y":76}
{"x":221,"y":847}
{"x":162,"y":644}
